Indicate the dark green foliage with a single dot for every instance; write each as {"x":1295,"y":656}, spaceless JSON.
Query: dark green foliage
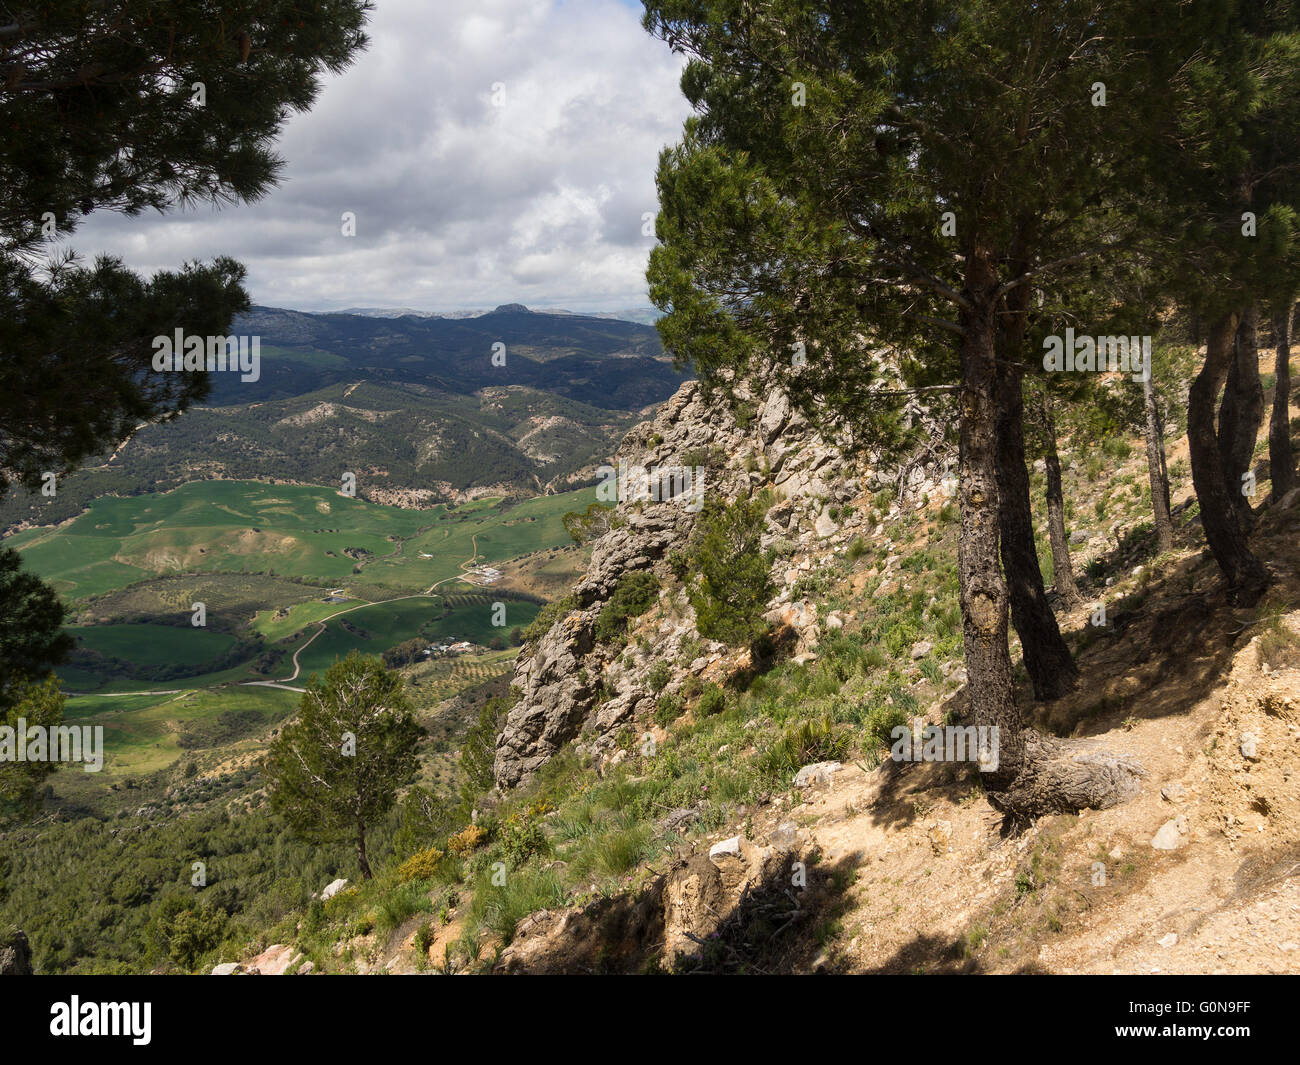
{"x":659,"y":676}
{"x":39,"y":705}
{"x":668,"y":708}
{"x":31,"y":619}
{"x":101,"y":113}
{"x":338,"y":767}
{"x":114,"y":878}
{"x":731,"y":582}
{"x":712,"y":701}
{"x":479,"y":749}
{"x":634,"y":594}
{"x":185,"y":930}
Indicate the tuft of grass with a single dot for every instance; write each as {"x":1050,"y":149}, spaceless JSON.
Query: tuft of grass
{"x":815,"y":740}
{"x":399,"y":905}
{"x":499,"y":906}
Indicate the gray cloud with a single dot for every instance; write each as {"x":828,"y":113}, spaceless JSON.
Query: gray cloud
{"x":459,"y":202}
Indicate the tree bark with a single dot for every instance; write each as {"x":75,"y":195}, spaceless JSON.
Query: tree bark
{"x":1062,"y":569}
{"x":1246,"y":576}
{"x":1033,"y":774}
{"x":984,"y":597}
{"x":1281,"y":458}
{"x":362,"y":860}
{"x":1047,"y":659}
{"x":1157,"y":471}
{"x":1241,"y":413}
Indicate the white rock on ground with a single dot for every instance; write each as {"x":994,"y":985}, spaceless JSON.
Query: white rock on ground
{"x":333,"y":888}
{"x":1167,"y":837}
{"x":817,"y":773}
{"x":727,"y":848}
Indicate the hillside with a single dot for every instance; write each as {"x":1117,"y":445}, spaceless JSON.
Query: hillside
{"x":413,"y":406}
{"x":665,"y":802}
{"x":662,"y":801}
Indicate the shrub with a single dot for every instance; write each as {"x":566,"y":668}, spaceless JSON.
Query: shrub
{"x":731,"y":582}
{"x":521,"y":838}
{"x":668,"y":708}
{"x":712,"y":701}
{"x":634,"y":594}
{"x":659,"y":676}
{"x":468,"y":839}
{"x":420,"y":866}
{"x":811,"y":741}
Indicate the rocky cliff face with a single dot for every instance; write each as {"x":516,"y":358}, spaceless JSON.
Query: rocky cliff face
{"x":573,"y":687}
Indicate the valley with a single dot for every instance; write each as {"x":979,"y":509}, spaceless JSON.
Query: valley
{"x":291,"y":578}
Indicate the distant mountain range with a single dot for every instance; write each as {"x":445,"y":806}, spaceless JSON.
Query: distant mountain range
{"x":415,"y":406}
{"x":643,"y":315}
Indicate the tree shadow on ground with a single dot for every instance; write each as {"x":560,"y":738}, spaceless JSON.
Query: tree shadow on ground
{"x":1170,"y":644}
{"x":782,"y":923}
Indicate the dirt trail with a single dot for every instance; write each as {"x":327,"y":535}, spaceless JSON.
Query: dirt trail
{"x":1186,"y":687}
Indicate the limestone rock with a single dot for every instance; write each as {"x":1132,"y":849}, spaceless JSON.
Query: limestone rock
{"x":1167,"y":837}
{"x":15,"y":953}
{"x":275,"y":960}
{"x":724,"y":850}
{"x":815,"y":774}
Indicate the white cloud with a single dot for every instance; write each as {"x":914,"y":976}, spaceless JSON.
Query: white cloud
{"x":459,"y":203}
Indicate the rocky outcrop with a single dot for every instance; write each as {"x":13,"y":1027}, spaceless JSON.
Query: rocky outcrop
{"x":569,"y":685}
{"x":15,"y":953}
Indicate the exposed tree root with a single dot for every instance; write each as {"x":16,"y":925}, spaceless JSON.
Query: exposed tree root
{"x":1066,"y":776}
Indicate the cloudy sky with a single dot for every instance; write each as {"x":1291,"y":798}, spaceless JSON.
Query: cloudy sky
{"x":461,"y":201}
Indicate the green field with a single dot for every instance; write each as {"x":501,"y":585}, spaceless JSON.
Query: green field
{"x":295,"y":531}
{"x":264,"y":558}
{"x":374,"y":629}
{"x":154,"y":645}
{"x":143,"y":733}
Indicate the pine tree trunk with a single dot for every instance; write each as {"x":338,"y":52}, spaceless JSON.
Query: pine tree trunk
{"x":984,"y":599}
{"x":1047,"y":659}
{"x":362,"y":860}
{"x":1246,"y":576}
{"x":1062,"y":569}
{"x":1281,"y":459}
{"x":1157,"y":472}
{"x":1241,"y":413}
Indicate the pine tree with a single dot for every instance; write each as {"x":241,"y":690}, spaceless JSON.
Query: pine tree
{"x":337,"y":768}
{"x":731,"y":582}
{"x":883,"y":177}
{"x":127,"y":108}
{"x":1225,"y":226}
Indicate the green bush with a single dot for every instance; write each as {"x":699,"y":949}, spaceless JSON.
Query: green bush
{"x":659,"y":676}
{"x":811,"y":741}
{"x":634,"y":594}
{"x":730,"y":581}
{"x":712,"y":701}
{"x":521,"y":838}
{"x":668,"y":709}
